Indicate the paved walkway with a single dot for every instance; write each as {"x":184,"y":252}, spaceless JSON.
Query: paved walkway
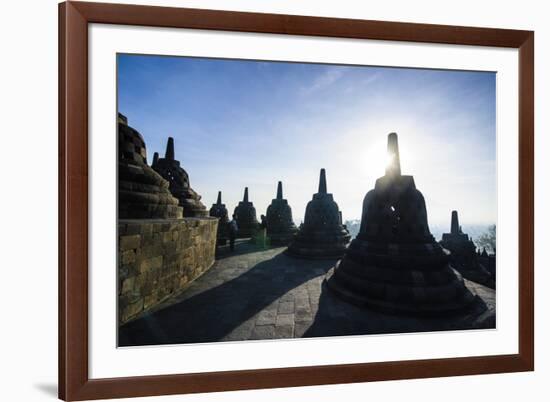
{"x":265,"y":294}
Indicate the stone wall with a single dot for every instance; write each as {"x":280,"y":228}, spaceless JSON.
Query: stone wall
{"x":159,"y":257}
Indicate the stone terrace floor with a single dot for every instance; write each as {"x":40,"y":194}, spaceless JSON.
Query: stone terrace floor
{"x":265,"y":294}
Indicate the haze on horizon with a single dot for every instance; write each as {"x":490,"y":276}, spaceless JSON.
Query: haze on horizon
{"x":242,"y":123}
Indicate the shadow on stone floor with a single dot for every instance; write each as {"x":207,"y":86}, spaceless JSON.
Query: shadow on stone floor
{"x":336,"y":317}
{"x":214,"y":313}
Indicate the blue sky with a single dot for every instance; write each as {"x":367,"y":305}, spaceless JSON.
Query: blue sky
{"x":252,"y":123}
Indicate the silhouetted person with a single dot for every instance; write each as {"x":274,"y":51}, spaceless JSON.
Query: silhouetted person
{"x":233,"y":229}
{"x":262,"y":233}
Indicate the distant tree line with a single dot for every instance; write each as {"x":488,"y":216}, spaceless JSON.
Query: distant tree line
{"x":488,"y":240}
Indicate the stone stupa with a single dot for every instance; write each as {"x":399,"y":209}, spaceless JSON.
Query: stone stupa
{"x":246,"y":217}
{"x":395,"y":264}
{"x":219,"y":211}
{"x":142,"y":192}
{"x":280,"y":227}
{"x":322,"y":234}
{"x":169,"y":168}
{"x":464,"y":256}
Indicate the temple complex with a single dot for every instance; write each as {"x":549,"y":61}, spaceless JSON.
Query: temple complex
{"x":464,"y":256}
{"x":169,"y":168}
{"x":159,"y":251}
{"x":280,"y":227}
{"x":219,"y":211}
{"x":246,"y":217}
{"x":322,"y":234}
{"x":395,"y":264}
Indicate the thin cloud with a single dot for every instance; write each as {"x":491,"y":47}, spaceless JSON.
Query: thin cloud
{"x":324,"y":80}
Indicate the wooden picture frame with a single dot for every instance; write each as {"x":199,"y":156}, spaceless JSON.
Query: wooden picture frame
{"x":74,"y":381}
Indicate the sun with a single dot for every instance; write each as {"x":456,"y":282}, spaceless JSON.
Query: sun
{"x":377,"y":159}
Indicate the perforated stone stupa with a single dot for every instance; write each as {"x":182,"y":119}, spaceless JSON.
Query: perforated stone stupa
{"x":464,"y":257}
{"x":142,"y":192}
{"x":169,"y":168}
{"x":322,"y":234}
{"x":394,"y":263}
{"x":219,"y":210}
{"x":246,"y":217}
{"x":280,"y":227}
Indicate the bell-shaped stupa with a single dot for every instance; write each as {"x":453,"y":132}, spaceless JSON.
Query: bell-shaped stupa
{"x":464,"y":256}
{"x":219,"y":211}
{"x":142,"y":192}
{"x":169,"y":168}
{"x":322,"y":234}
{"x":394,"y":263}
{"x":246,"y":217}
{"x":280,"y":227}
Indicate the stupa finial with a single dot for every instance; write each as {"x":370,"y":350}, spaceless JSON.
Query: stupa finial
{"x":394,"y":165}
{"x":219,"y":201}
{"x":280,"y":190}
{"x":245,"y":198}
{"x":155,"y":158}
{"x":322,"y":182}
{"x":170,"y":149}
{"x":455,"y":228}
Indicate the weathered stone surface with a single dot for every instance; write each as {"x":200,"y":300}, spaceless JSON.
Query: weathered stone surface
{"x":142,"y":193}
{"x":152,"y":270}
{"x":246,"y":217}
{"x":464,"y":257}
{"x":394,"y":264}
{"x":169,"y":168}
{"x":322,"y":235}
{"x":219,"y":211}
{"x":280,"y":227}
{"x":130,"y":242}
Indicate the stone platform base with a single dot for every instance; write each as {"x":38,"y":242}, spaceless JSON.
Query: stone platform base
{"x":324,"y":244}
{"x":471,"y":303}
{"x":280,"y":239}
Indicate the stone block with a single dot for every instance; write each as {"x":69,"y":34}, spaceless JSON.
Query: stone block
{"x":124,"y":271}
{"x":263,"y":332}
{"x":131,"y":310}
{"x":146,"y":228}
{"x":150,"y":264}
{"x":284,"y":319}
{"x":133,"y":228}
{"x":128,"y":284}
{"x":150,"y":301}
{"x":286,"y":307}
{"x":303,"y":315}
{"x":266,"y":317}
{"x":284,"y":331}
{"x":128,"y":257}
{"x":129,"y":242}
{"x":167,"y":237}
